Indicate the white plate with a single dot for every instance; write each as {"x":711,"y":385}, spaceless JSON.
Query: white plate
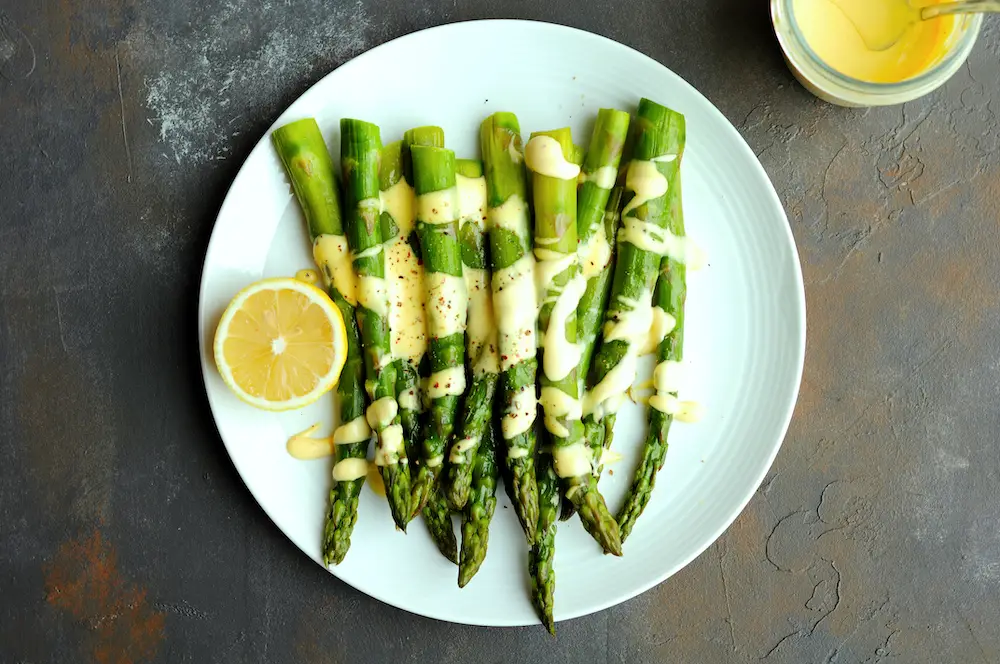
{"x":745,"y":337}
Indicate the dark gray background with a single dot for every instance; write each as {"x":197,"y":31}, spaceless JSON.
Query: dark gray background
{"x":126,"y":535}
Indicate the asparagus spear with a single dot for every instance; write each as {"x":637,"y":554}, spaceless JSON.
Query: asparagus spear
{"x":301,"y":149}
{"x":360,"y":152}
{"x":405,"y":284}
{"x":481,"y":338}
{"x":542,"y":554}
{"x":597,"y":224}
{"x":437,"y":226}
{"x":589,"y":315}
{"x":514,"y":301}
{"x":550,"y":157}
{"x":479,"y":508}
{"x":407,"y":314}
{"x":651,"y":180}
{"x":671,"y":292}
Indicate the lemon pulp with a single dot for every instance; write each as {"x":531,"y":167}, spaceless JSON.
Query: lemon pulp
{"x":280,"y":344}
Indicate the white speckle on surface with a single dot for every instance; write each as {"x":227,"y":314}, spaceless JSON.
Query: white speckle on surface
{"x":223,"y":66}
{"x":939,"y":480}
{"x":7,"y":50}
{"x":981,"y":551}
{"x":948,"y":461}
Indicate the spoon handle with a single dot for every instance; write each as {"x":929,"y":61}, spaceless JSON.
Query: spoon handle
{"x":963,"y":7}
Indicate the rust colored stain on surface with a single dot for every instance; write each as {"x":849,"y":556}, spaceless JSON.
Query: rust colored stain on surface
{"x":83,"y":579}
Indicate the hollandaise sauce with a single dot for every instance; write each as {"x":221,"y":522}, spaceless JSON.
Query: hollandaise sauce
{"x":876,"y":41}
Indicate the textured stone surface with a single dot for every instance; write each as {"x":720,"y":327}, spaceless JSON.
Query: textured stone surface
{"x":126,"y":534}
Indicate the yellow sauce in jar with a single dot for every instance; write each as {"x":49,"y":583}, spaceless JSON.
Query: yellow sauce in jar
{"x":878,"y":41}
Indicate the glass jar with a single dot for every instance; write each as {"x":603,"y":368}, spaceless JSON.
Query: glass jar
{"x":836,"y":88}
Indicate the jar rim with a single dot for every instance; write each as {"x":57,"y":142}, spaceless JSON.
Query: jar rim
{"x":958,"y":51}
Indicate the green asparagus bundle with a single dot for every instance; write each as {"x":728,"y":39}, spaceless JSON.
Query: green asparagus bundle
{"x":481,"y":335}
{"x":552,"y":160}
{"x":360,"y":154}
{"x":437,"y":226}
{"x":301,"y":149}
{"x":671,"y":292}
{"x":479,"y":507}
{"x":651,"y":180}
{"x":514,"y":302}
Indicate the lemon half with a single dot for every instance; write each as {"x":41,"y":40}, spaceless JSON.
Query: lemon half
{"x":281,"y":344}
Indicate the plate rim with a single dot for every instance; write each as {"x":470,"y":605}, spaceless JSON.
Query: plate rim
{"x":757,"y":171}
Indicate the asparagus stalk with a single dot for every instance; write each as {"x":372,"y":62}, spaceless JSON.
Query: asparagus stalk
{"x":360,"y":152}
{"x":542,"y":554}
{"x":514,"y":301}
{"x":481,"y":337}
{"x":479,"y":508}
{"x":437,"y":226}
{"x":551,"y":158}
{"x":597,"y":222}
{"x":589,"y":316}
{"x":651,"y":180}
{"x":405,"y":284}
{"x":407,"y":314}
{"x":671,"y":292}
{"x":597,"y":225}
{"x":301,"y":149}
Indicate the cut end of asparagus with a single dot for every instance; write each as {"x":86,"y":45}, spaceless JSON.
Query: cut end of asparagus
{"x":660,"y":131}
{"x":470,"y":168}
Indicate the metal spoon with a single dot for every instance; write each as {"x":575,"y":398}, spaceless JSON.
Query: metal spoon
{"x":902,"y":8}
